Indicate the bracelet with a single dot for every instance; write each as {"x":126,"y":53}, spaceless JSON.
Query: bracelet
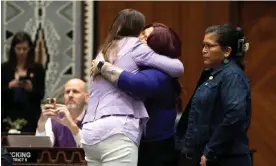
{"x":100,"y":65}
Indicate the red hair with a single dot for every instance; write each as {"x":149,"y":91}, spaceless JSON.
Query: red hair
{"x":163,"y":40}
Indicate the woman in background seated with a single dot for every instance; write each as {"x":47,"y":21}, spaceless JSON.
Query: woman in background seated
{"x":213,"y":128}
{"x":160,"y":93}
{"x":22,"y":86}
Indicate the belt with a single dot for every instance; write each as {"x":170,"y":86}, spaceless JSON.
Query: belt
{"x":131,"y":116}
{"x":104,"y":116}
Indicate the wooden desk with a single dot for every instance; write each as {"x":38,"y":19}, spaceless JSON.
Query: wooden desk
{"x":47,"y":156}
{"x":4,"y":135}
{"x":54,"y":156}
{"x":44,"y":156}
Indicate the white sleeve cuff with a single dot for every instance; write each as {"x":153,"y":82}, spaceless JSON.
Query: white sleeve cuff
{"x":37,"y":133}
{"x":77,"y":139}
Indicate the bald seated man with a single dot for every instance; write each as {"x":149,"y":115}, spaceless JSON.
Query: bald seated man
{"x":62,"y":123}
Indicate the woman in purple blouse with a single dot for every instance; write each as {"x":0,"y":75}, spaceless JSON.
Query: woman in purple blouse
{"x":160,"y":93}
{"x":114,"y":121}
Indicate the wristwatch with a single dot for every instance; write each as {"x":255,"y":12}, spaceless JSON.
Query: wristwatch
{"x":100,"y":65}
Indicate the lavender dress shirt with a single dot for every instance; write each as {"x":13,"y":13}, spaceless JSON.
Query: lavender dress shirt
{"x":112,"y":111}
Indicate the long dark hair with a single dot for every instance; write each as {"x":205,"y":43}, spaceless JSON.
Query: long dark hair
{"x":21,"y":37}
{"x":228,"y":36}
{"x":165,"y":41}
{"x":128,"y":23}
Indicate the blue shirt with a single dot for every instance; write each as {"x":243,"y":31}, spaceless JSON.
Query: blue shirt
{"x":156,"y":89}
{"x":219,"y":114}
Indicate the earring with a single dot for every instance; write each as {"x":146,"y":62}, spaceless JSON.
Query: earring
{"x":225,"y":61}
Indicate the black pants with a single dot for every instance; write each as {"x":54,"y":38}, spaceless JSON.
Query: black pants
{"x":189,"y":160}
{"x":238,"y":160}
{"x":159,"y":153}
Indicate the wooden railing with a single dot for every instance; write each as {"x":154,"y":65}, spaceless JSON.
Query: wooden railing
{"x":47,"y":156}
{"x":52,"y":156}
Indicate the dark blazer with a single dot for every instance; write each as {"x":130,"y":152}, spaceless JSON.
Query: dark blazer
{"x":183,"y":122}
{"x":30,"y":109}
{"x":217,"y":117}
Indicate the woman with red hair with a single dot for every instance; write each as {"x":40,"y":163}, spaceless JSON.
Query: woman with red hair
{"x":160,"y":93}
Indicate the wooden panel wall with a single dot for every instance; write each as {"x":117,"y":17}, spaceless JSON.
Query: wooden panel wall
{"x":258,"y":20}
{"x":189,"y":20}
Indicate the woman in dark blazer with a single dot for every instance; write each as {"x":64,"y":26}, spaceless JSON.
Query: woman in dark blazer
{"x":23,"y":84}
{"x":213,"y":128}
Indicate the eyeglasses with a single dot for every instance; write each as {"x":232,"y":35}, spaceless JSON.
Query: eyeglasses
{"x":209,"y":45}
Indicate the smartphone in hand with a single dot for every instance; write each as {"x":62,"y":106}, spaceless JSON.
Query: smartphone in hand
{"x":22,"y":80}
{"x":51,"y":101}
